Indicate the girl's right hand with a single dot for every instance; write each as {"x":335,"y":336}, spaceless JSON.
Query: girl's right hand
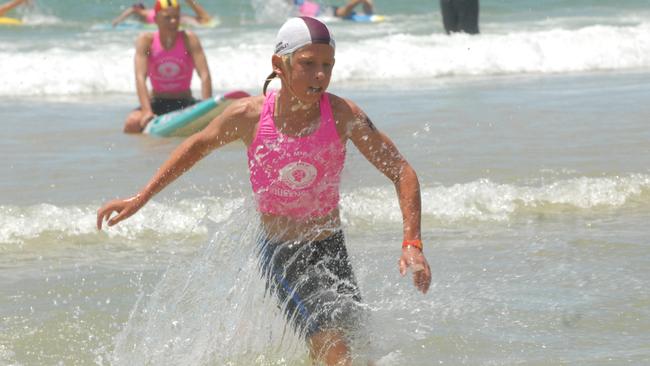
{"x":124,"y":208}
{"x":145,"y":118}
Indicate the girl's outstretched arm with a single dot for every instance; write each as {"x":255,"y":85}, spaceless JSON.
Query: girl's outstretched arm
{"x":227,"y":127}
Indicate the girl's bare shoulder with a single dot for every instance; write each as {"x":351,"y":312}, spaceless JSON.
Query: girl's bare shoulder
{"x":144,"y":41}
{"x":145,"y":37}
{"x":246,"y":109}
{"x":242,"y":116}
{"x":346,"y":113}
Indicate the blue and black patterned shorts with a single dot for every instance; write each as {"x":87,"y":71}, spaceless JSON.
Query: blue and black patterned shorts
{"x":314,"y":283}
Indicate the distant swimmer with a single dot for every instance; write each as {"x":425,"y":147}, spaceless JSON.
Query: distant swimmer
{"x":312,"y":9}
{"x":347,"y":9}
{"x":5,"y":8}
{"x":139,"y":11}
{"x":296,"y":139}
{"x":460,"y":16}
{"x":145,"y":15}
{"x":168,"y":58}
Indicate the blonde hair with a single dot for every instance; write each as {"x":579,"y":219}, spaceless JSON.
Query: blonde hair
{"x":286,"y":60}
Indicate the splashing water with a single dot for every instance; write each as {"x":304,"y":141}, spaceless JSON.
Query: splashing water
{"x":214,"y":308}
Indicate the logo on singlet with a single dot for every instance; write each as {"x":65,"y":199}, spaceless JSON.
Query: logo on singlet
{"x":298,"y":175}
{"x":169,"y":69}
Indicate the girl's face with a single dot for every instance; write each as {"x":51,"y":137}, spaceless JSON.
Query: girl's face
{"x":169,"y":18}
{"x":310,"y":71}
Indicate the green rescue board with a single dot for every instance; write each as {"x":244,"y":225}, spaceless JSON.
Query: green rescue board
{"x":192,"y":119}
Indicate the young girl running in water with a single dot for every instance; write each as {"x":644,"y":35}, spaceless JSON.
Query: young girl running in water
{"x":296,"y":142}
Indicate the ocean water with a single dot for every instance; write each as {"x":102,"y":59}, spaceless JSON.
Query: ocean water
{"x":531,"y":143}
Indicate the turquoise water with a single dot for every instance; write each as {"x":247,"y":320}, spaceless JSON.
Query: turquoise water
{"x":232,"y":12}
{"x":531,"y":143}
{"x":67,"y":49}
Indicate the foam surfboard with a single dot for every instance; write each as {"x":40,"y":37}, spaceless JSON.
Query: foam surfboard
{"x":365,"y":18}
{"x":191,"y":119}
{"x":10,"y":21}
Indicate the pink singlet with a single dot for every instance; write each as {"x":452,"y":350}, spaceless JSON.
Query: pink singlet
{"x":171,"y":70}
{"x":293,"y":176}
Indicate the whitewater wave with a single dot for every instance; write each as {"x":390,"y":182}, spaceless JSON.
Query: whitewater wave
{"x":484,"y":200}
{"x":243,"y":61}
{"x":481,"y":200}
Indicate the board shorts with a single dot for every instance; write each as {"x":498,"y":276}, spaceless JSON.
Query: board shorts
{"x":313,"y":283}
{"x":160,"y":106}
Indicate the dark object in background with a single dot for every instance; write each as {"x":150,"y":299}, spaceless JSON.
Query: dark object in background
{"x":460,"y":16}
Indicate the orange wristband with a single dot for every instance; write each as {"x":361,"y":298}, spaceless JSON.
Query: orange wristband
{"x":417,"y":243}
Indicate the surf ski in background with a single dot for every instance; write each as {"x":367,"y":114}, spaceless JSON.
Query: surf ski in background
{"x":190,"y":120}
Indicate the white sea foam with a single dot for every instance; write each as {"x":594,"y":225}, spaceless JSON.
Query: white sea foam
{"x":20,"y":224}
{"x":484,"y":200}
{"x":481,"y":200}
{"x":34,"y":19}
{"x":242,"y":61}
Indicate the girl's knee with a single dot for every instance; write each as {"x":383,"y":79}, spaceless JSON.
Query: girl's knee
{"x":330,"y":348}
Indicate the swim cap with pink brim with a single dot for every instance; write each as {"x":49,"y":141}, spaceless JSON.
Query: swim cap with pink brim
{"x":299,"y":32}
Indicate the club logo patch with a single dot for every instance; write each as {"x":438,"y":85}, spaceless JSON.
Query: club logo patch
{"x":169,"y":69}
{"x":298,"y":175}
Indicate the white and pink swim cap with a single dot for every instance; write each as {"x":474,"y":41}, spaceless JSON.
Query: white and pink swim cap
{"x":302,"y":31}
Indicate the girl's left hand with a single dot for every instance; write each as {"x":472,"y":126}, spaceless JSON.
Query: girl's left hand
{"x":414,"y":258}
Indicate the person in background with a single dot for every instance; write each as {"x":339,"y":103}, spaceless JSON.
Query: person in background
{"x":168,"y":57}
{"x":139,"y":11}
{"x":347,"y":9}
{"x":296,"y":141}
{"x":460,"y":16}
{"x":7,"y":7}
{"x":145,"y":15}
{"x":312,"y":9}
